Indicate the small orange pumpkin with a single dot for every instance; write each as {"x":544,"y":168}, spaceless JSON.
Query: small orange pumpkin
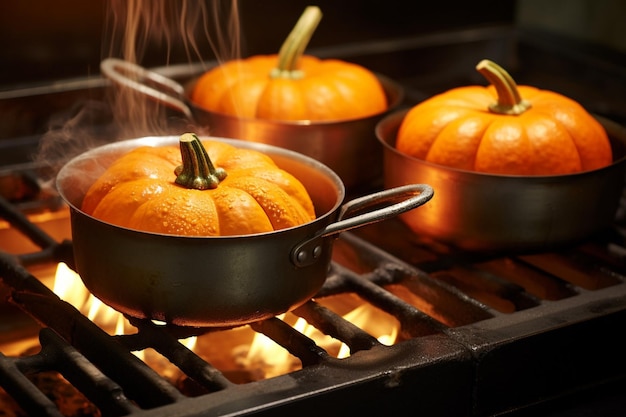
{"x":179,"y":191}
{"x":290,"y":85}
{"x":504,"y":129}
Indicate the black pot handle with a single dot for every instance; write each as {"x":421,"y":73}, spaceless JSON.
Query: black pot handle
{"x":372,"y":208}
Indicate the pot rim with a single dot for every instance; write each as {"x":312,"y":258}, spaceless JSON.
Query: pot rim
{"x":391,"y":123}
{"x":270,"y":150}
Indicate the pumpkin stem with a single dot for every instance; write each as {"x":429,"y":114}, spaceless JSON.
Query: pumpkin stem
{"x":509,"y":99}
{"x":295,"y":44}
{"x":197,"y":170}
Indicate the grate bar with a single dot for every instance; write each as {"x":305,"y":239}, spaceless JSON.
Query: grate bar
{"x":22,"y":390}
{"x":186,"y":360}
{"x":102,"y":391}
{"x":413,"y":322}
{"x":335,"y":326}
{"x":295,"y":342}
{"x":17,"y":219}
{"x":140,"y":382}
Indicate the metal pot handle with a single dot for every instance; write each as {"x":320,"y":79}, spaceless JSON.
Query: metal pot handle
{"x":128,"y":74}
{"x":402,"y":199}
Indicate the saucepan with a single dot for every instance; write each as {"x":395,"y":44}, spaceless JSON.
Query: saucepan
{"x":495,"y":213}
{"x":348,"y":147}
{"x":218,"y":281}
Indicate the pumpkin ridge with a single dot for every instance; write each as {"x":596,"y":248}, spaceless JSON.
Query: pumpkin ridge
{"x":558,"y":154}
{"x":281,"y":99}
{"x":504,"y":148}
{"x":195,"y":213}
{"x":282,"y":210}
{"x":361,"y":101}
{"x":284,"y":180}
{"x":239,"y":212}
{"x":142,"y":165}
{"x":540,"y":110}
{"x":591,"y":156}
{"x":115,"y":206}
{"x":490,"y":121}
{"x":323,"y":99}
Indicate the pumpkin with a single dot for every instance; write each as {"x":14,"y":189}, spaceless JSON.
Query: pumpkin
{"x":504,"y":128}
{"x":291,"y":86}
{"x":200,"y":188}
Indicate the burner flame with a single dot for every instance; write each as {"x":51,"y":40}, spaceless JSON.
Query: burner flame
{"x":69,"y":287}
{"x":274,"y":360}
{"x":261,"y":357}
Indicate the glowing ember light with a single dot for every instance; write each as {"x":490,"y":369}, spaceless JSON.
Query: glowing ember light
{"x":274,"y":360}
{"x":190,"y":342}
{"x":259,"y":355}
{"x":119,"y":326}
{"x":265,"y":354}
{"x":69,"y":287}
{"x":379,"y":324}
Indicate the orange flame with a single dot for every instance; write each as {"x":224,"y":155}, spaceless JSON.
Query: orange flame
{"x":261,"y":354}
{"x":275,"y":360}
{"x":69,"y":287}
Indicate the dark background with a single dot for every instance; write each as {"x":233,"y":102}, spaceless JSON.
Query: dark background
{"x":42,"y":40}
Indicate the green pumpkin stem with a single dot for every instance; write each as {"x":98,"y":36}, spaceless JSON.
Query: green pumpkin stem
{"x":294,"y":46}
{"x":509,"y":99}
{"x":197,"y":170}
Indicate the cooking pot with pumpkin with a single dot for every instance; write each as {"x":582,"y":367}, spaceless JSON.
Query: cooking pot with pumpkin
{"x":516,"y":168}
{"x":214,"y":279}
{"x":326,"y":109}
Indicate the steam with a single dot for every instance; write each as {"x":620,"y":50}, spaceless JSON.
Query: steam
{"x":134,"y":25}
{"x":72,"y":133}
{"x":203,"y":30}
{"x":194,"y":31}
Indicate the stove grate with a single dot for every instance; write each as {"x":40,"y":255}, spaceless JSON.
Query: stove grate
{"x":445,"y":328}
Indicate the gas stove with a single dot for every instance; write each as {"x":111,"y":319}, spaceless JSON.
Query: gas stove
{"x":477,"y":334}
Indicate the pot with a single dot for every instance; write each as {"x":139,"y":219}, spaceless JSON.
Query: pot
{"x":217,"y":281}
{"x":486,"y":212}
{"x":348,"y":147}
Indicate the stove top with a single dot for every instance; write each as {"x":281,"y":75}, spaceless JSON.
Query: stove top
{"x":480,"y":334}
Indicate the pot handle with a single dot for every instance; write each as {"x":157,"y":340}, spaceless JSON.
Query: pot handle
{"x":140,"y":79}
{"x":385,"y":204}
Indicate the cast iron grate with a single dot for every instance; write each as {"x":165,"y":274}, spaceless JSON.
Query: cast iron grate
{"x":541,"y":324}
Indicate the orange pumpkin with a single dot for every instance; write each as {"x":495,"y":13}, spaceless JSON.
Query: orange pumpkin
{"x":290,"y":85}
{"x":504,"y":129}
{"x":179,"y":191}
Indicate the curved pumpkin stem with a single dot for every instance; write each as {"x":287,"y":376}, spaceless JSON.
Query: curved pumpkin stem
{"x":295,"y":44}
{"x":197,"y":170}
{"x":509,"y":99}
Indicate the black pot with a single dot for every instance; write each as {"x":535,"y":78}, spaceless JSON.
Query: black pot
{"x":217,"y":281}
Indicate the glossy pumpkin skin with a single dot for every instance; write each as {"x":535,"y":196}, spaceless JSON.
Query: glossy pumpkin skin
{"x":138,"y":191}
{"x":291,"y":86}
{"x":554,"y":135}
{"x":326,"y":90}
